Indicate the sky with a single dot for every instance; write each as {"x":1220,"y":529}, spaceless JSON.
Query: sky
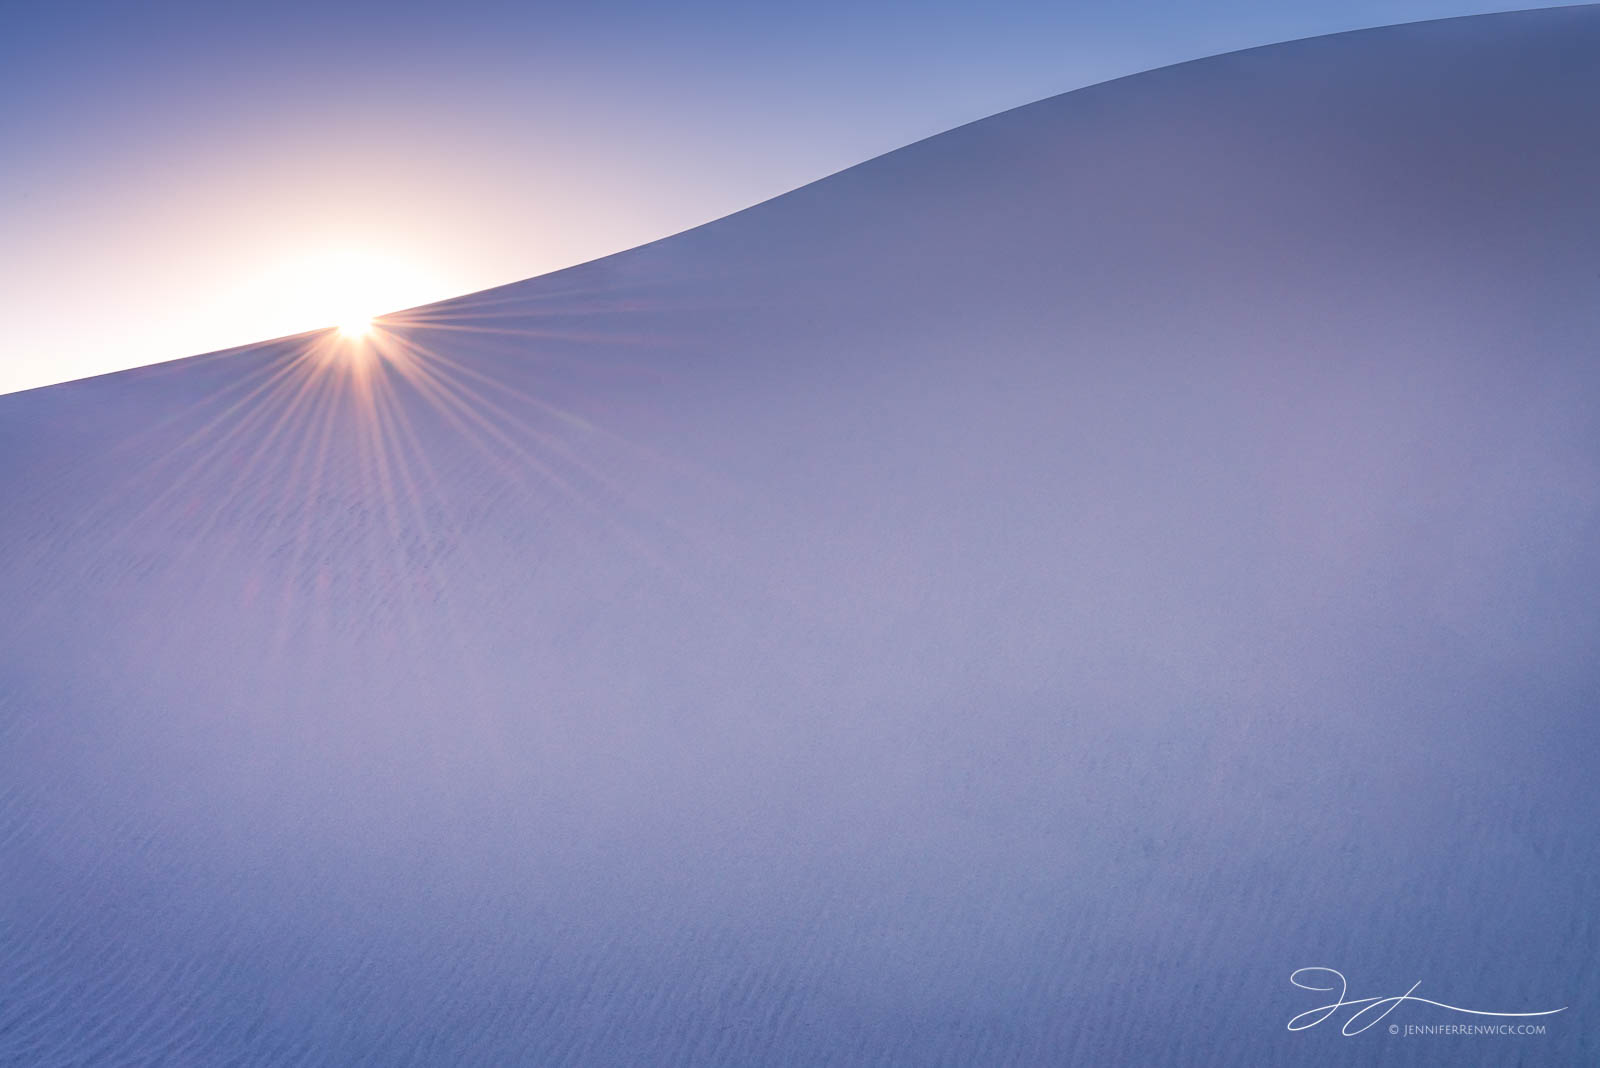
{"x":181,"y":178}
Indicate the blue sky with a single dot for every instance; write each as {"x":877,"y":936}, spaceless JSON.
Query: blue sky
{"x":185,"y":177}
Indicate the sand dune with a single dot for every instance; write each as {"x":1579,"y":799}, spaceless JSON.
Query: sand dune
{"x":1011,"y":602}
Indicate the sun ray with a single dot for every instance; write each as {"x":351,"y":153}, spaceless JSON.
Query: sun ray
{"x":337,"y":409}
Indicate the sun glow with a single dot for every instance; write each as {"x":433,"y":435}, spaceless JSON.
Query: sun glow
{"x":346,"y":289}
{"x":355,"y":327}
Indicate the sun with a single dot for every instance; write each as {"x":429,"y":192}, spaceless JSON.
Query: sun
{"x":347,"y":291}
{"x":355,"y":327}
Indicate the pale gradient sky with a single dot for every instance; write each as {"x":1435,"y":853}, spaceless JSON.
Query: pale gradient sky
{"x":178,"y":179}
